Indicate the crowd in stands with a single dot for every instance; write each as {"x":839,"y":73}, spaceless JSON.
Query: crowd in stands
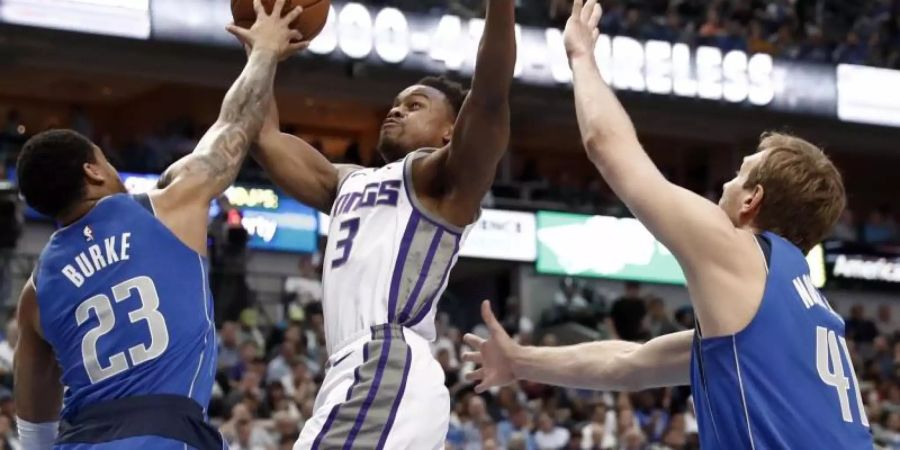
{"x":825,"y":31}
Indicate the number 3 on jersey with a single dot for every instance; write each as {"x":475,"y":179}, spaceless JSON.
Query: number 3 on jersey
{"x":345,"y":245}
{"x":106,"y":318}
{"x":830,"y":364}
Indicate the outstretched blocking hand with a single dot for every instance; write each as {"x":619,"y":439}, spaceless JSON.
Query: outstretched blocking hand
{"x":581,"y":32}
{"x":495,"y":355}
{"x":272,"y":31}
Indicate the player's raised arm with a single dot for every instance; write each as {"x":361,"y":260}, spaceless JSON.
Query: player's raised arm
{"x":463,"y":171}
{"x":37,"y":390}
{"x":689,"y":225}
{"x":604,"y":365}
{"x":296,"y":166}
{"x":191,"y":183}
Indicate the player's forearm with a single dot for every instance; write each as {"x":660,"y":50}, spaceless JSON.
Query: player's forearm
{"x":496,"y":60}
{"x":297,"y":168}
{"x":594,"y":365}
{"x":609,"y":365}
{"x":218,"y":157}
{"x":607,"y":132}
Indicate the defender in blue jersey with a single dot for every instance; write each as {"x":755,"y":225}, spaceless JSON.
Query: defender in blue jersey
{"x":768,"y":364}
{"x":118,"y":345}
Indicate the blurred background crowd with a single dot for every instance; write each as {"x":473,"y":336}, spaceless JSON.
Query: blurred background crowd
{"x":268,"y":304}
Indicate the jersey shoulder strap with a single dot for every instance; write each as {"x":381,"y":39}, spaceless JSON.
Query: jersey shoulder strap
{"x":144,"y":200}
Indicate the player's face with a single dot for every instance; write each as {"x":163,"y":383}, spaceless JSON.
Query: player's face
{"x":419,"y":118}
{"x":103,"y":175}
{"x":738,"y":202}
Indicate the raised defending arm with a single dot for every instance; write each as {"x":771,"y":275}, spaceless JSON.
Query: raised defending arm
{"x":463,"y":171}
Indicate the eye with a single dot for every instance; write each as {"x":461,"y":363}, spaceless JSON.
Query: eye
{"x":415,"y":106}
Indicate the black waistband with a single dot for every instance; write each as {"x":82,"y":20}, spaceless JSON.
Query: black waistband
{"x":169,"y":416}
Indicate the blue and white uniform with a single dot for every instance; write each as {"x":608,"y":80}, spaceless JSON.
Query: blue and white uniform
{"x":126,"y":307}
{"x":386,"y":265}
{"x":785,"y":382}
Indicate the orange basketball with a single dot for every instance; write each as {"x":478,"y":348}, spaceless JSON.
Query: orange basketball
{"x":310,"y":22}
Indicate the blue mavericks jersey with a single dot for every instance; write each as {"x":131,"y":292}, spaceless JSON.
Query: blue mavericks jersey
{"x":786,"y":381}
{"x":127,"y":308}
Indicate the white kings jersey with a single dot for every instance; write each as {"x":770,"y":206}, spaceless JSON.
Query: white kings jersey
{"x":387,"y":259}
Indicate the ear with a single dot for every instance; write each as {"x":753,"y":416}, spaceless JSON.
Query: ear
{"x":93,"y":174}
{"x":448,"y":134}
{"x":753,"y":202}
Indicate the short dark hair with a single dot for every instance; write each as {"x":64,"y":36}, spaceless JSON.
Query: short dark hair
{"x":455,"y":92}
{"x":50,"y":170}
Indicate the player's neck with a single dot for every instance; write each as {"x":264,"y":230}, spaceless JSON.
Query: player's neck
{"x":77,"y":212}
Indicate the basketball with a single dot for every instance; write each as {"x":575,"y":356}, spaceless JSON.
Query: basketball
{"x":310,"y":23}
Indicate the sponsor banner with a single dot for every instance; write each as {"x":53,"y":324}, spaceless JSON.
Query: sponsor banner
{"x":604,"y":247}
{"x":868,"y":95}
{"x":388,"y":36}
{"x":503,"y":235}
{"x":125,"y":18}
{"x":618,"y":248}
{"x":883,"y":269}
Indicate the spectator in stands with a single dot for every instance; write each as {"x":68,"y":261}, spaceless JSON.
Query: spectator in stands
{"x":886,"y":324}
{"x":307,"y":285}
{"x":627,"y":314}
{"x":852,"y":51}
{"x":658,"y":321}
{"x":517,"y":426}
{"x":7,"y":351}
{"x":549,"y":435}
{"x":599,"y":433}
{"x":514,"y":321}
{"x":684,"y":318}
{"x":229,"y":354}
{"x":280,"y":366}
{"x":845,"y":230}
{"x":567,"y":302}
{"x":758,"y":41}
{"x":858,"y":328}
{"x":881,"y":227}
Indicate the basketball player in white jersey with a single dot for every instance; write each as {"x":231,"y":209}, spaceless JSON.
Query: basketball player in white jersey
{"x":395,"y":234}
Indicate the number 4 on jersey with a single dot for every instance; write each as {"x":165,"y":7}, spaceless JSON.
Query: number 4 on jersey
{"x":830,"y":365}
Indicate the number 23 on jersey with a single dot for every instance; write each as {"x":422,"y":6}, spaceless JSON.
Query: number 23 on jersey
{"x":100,"y":367}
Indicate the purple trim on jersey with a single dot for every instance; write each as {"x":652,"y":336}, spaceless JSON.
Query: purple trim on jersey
{"x":427,"y":306}
{"x":397,"y":399}
{"x":423,"y":274}
{"x":414,"y":202}
{"x":367,"y":403}
{"x":406,"y":242}
{"x":329,"y":422}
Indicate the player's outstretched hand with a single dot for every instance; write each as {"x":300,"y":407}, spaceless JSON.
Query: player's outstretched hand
{"x":272,"y":31}
{"x":494,"y":355}
{"x":581,"y":31}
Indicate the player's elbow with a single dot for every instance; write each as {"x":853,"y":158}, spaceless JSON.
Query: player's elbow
{"x":626,"y":373}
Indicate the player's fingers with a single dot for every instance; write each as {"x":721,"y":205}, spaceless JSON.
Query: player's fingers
{"x":576,"y":8}
{"x":595,"y":34}
{"x":295,"y":47}
{"x":587,"y":10}
{"x":278,"y":8}
{"x":473,"y":357}
{"x":473,"y":341}
{"x":242,"y":34}
{"x":489,"y":320}
{"x":481,"y":388}
{"x":258,"y":7}
{"x":295,"y":36}
{"x":595,"y":16}
{"x":293,"y":14}
{"x":475,"y":375}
